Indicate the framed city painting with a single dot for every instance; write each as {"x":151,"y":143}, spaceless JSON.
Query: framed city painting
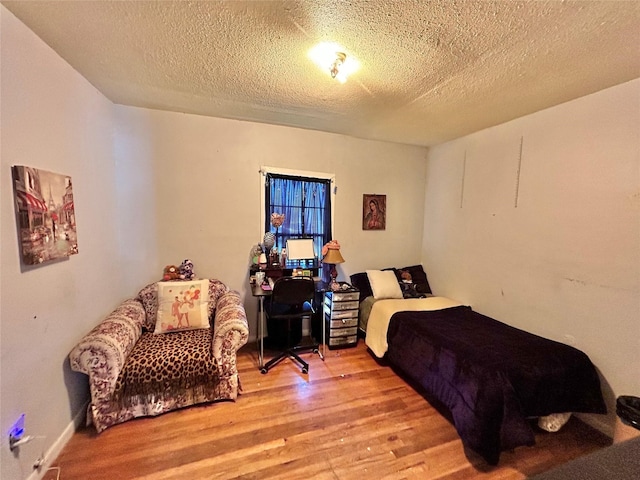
{"x":45,"y":215}
{"x":374,"y":212}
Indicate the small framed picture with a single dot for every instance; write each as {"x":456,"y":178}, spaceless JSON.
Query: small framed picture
{"x":374,"y":212}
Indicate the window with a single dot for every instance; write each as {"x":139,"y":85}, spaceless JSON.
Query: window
{"x":306,"y":204}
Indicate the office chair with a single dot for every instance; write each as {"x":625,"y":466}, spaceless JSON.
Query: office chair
{"x":290,"y":301}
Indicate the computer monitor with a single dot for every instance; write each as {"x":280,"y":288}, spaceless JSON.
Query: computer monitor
{"x":300,"y":249}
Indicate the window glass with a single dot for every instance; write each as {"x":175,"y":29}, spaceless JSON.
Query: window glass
{"x":306,"y":205}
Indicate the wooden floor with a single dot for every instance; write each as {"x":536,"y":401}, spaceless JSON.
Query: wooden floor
{"x":349,"y":418}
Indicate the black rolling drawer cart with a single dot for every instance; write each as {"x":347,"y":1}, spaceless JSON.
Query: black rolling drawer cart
{"x":341,"y":317}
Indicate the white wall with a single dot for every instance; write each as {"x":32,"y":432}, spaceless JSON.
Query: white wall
{"x":564,"y":263}
{"x":53,"y":119}
{"x":206,"y":200}
{"x":153,"y":188}
{"x":150,"y":188}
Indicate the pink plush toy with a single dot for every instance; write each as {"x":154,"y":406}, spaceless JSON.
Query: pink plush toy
{"x":333,"y":244}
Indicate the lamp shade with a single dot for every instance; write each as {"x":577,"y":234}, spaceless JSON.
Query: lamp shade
{"x":333,"y":257}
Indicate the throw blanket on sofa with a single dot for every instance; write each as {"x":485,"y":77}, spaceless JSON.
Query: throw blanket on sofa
{"x":144,"y":376}
{"x":491,"y":376}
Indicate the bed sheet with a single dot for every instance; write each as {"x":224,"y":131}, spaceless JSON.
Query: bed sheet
{"x":382,"y":311}
{"x":364,"y":311}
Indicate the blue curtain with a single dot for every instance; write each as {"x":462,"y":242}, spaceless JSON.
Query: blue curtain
{"x":306,"y":204}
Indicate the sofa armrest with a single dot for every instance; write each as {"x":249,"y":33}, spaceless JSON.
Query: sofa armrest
{"x":102,"y":352}
{"x":230,"y":328}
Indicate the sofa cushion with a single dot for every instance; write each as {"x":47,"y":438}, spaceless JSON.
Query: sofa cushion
{"x":148,"y":296}
{"x":182,"y":305}
{"x":162,"y":366}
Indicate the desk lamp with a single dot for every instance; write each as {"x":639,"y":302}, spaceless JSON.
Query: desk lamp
{"x":333,"y":257}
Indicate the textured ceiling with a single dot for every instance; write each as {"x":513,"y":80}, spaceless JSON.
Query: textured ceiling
{"x":430,"y":70}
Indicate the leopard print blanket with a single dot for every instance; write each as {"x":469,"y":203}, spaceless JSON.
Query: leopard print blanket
{"x":183,"y":362}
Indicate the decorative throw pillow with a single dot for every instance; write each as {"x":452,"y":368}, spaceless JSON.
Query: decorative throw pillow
{"x":361,"y":282}
{"x":384,"y":284}
{"x":182,"y":305}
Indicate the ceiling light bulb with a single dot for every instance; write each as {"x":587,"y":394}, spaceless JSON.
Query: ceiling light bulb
{"x":337,"y":63}
{"x":349,"y":66}
{"x":330,"y":57}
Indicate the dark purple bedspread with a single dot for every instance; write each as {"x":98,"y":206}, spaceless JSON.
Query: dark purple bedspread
{"x":491,"y":376}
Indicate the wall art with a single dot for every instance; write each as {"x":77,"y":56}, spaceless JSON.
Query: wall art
{"x":45,"y":215}
{"x":374,"y":212}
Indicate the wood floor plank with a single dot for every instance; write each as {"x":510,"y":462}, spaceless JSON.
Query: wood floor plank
{"x":349,"y":417}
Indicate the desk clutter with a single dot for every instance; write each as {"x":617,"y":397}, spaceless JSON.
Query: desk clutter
{"x":260,"y":276}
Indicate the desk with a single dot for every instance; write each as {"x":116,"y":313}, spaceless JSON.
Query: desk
{"x":260,"y":294}
{"x":274,"y":272}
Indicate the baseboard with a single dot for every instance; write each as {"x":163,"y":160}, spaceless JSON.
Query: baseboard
{"x":52,"y":453}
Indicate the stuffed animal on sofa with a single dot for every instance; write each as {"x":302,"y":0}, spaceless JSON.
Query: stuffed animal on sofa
{"x":170,"y":272}
{"x":186,"y":270}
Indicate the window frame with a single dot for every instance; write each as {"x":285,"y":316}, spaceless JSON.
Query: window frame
{"x":264,"y":170}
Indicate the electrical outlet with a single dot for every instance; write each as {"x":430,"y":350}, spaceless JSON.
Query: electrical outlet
{"x":17,"y":430}
{"x":38,"y":463}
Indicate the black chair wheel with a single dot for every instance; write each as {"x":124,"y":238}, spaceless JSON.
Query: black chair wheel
{"x":315,"y":350}
{"x":305,"y":370}
{"x":263,"y":370}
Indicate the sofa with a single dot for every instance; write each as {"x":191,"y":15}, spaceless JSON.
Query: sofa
{"x":140,"y":363}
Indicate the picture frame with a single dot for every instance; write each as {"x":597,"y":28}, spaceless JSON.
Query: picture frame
{"x":374,"y":212}
{"x":45,"y":215}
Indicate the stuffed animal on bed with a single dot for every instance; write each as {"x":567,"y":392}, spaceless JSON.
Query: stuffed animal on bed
{"x":407,"y":286}
{"x":406,"y":276}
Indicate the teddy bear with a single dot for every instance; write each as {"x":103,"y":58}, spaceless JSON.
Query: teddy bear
{"x":407,"y":286}
{"x":170,"y":272}
{"x":186,"y":270}
{"x":406,"y":276}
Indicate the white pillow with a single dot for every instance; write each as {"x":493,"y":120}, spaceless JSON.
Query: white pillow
{"x":384,"y":284}
{"x":182,"y":305}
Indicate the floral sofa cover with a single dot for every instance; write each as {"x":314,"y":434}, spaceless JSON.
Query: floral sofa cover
{"x":127,"y":332}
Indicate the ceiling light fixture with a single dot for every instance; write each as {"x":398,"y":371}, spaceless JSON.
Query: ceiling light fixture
{"x":331,"y":58}
{"x":337,"y":63}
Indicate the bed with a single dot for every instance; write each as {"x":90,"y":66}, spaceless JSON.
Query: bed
{"x":375,"y":323}
{"x":491,"y":377}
